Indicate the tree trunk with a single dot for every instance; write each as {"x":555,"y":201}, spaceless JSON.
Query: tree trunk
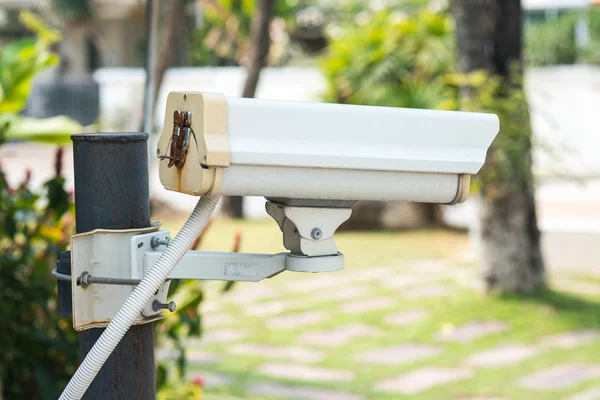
{"x":173,"y":50}
{"x":172,"y":47}
{"x":261,"y":42}
{"x":489,"y":34}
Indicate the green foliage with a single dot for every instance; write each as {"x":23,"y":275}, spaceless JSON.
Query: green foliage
{"x":552,"y":42}
{"x":344,"y":13}
{"x":54,"y":130}
{"x":389,"y":61}
{"x":592,"y":53}
{"x":224,"y":38}
{"x":39,"y":352}
{"x":177,"y":390}
{"x":20,"y":60}
{"x":594,"y":23}
{"x":173,"y":331}
{"x":508,"y":163}
{"x":73,"y":10}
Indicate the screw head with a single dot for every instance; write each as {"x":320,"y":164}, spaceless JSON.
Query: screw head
{"x":316,"y":234}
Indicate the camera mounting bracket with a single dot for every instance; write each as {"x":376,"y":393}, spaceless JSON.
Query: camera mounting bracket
{"x":308,"y":230}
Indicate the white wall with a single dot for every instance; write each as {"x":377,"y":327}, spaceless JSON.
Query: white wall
{"x":565,"y":104}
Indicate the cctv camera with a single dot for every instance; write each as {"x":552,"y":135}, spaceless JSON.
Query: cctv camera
{"x":212,"y":145}
{"x":313,"y":161}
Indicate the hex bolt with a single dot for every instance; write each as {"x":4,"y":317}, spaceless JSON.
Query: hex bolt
{"x":157,"y":306}
{"x":157,"y":241}
{"x":316,"y":233}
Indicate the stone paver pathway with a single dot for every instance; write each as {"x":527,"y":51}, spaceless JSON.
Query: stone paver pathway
{"x":401,"y":354}
{"x":366,"y":305}
{"x":202,"y":357}
{"x":422,"y":379}
{"x":211,"y":379}
{"x":299,"y":392}
{"x":345,"y":293}
{"x":293,"y":321}
{"x":338,"y":336}
{"x":404,"y":281}
{"x":223,"y":336}
{"x":292,"y":353}
{"x":570,"y":340}
{"x":315,"y":283}
{"x":269,"y":308}
{"x":590,"y":394}
{"x":427,"y":292}
{"x":403,"y":318}
{"x":250,"y":292}
{"x":372,"y":274}
{"x":471,"y":331}
{"x":560,"y":377}
{"x":305,"y":373}
{"x":217,"y":319}
{"x":502,"y":355}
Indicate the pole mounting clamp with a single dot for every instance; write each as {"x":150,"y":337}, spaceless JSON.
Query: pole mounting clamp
{"x":104,"y":264}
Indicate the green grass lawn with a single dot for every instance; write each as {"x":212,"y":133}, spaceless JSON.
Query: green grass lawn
{"x":528,"y":318}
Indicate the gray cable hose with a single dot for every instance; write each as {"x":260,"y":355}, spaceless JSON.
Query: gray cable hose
{"x":138,"y":299}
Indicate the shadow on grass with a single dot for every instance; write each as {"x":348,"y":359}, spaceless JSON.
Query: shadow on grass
{"x":577,"y":309}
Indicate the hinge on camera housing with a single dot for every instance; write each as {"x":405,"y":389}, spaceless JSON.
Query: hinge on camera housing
{"x":180,"y":140}
{"x":194,"y":150}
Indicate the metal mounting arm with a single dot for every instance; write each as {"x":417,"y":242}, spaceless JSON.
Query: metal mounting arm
{"x":217,"y":266}
{"x":107,"y":264}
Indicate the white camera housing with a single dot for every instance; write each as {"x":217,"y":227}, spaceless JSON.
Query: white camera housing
{"x":300,"y":150}
{"x":313,"y":161}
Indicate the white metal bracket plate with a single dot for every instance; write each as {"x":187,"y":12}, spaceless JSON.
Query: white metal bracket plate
{"x":104,"y":253}
{"x":140,"y":245}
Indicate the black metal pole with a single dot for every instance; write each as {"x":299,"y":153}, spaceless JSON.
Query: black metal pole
{"x":111,"y":192}
{"x":65,"y":301}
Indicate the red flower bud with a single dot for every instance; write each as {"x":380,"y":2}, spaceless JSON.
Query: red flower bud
{"x":198,"y":381}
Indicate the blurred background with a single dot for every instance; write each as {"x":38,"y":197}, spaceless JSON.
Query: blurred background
{"x":495,"y":298}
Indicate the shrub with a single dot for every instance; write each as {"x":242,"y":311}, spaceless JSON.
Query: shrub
{"x":552,"y":42}
{"x":391,"y":61}
{"x":592,"y":52}
{"x":39,"y":351}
